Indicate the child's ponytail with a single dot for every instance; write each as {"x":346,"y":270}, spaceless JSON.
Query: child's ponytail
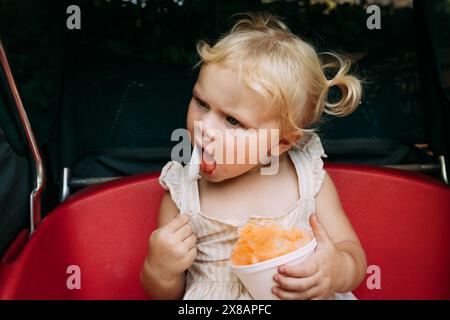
{"x":349,"y":86}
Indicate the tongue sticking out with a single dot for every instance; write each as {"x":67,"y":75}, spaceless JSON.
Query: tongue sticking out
{"x":208,"y":164}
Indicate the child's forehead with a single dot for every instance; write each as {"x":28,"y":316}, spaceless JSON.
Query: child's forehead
{"x":220,"y":86}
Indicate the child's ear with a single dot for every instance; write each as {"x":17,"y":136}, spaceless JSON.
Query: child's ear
{"x":286,"y":143}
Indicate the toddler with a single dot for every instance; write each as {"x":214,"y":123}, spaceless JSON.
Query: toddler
{"x":258,"y":78}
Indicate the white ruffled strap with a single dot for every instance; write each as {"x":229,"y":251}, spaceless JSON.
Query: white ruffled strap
{"x":174,"y":178}
{"x":171,"y":180}
{"x":314,"y":149}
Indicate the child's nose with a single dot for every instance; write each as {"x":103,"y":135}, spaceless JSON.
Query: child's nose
{"x":208,"y":137}
{"x":209,"y":134}
{"x":209,"y":121}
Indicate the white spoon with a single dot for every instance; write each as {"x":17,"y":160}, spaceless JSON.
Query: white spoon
{"x":194,"y":164}
{"x":194,"y":172}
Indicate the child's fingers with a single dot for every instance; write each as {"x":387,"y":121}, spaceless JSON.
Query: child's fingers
{"x":302,"y":270}
{"x":183,"y":232}
{"x":178,"y":222}
{"x":189,"y":243}
{"x":294,"y":295}
{"x":192,"y":253}
{"x":296,"y":284}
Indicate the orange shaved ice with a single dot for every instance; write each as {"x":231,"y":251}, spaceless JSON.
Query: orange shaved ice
{"x":259,"y":243}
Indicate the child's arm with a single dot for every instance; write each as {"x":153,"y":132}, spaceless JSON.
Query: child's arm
{"x":335,"y":223}
{"x":172,"y":250}
{"x":339,"y":263}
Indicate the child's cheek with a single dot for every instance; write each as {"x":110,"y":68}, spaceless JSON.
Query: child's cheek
{"x":236,"y":146}
{"x":192,"y":116}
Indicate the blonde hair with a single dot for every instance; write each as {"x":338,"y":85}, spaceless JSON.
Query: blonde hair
{"x":285,"y":70}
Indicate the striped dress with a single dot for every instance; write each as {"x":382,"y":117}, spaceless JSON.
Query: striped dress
{"x":210,"y":276}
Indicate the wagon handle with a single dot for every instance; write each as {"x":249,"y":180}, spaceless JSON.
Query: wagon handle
{"x":36,"y":193}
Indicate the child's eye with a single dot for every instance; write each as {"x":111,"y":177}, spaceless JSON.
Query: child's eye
{"x":201,"y":103}
{"x":233,"y":121}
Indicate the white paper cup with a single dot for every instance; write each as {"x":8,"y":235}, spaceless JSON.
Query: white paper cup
{"x":258,"y":277}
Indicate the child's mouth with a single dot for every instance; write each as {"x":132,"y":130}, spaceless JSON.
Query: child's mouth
{"x":208,"y":164}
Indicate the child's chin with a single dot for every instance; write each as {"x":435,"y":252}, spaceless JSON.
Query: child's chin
{"x":218,"y":175}
{"x":213,"y":177}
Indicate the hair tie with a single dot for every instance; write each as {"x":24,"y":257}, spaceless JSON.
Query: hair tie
{"x":329,"y":82}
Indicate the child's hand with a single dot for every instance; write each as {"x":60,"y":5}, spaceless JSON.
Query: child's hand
{"x":172,"y":248}
{"x":317,"y":277}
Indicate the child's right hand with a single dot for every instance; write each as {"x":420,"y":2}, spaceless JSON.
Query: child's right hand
{"x":172,"y":248}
